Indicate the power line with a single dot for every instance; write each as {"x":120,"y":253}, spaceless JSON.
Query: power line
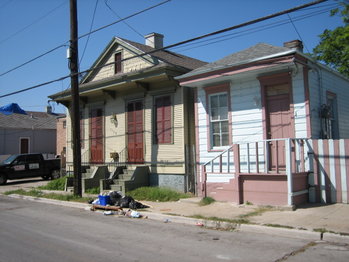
{"x":299,"y":35}
{"x":31,"y":24}
{"x":82,"y":36}
{"x":88,"y":38}
{"x":132,"y":28}
{"x":33,"y":59}
{"x":127,"y":17}
{"x":178,"y":44}
{"x":248,"y":31}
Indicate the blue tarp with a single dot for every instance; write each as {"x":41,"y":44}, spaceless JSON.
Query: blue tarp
{"x":12,"y":108}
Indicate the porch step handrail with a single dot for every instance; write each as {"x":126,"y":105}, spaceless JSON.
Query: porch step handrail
{"x":257,"y":153}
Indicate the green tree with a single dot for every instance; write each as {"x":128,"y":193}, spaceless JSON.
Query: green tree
{"x":333,"y":48}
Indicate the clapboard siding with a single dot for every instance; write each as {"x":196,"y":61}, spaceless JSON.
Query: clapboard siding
{"x":127,"y":65}
{"x":320,"y":81}
{"x":299,"y":105}
{"x":339,"y":86}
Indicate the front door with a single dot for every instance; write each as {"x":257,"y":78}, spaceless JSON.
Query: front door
{"x":278,"y":123}
{"x":135,"y":132}
{"x":24,"y":145}
{"x":96,"y":135}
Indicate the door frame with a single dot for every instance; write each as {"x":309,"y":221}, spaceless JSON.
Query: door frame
{"x":268,"y":80}
{"x":143,"y":128}
{"x":26,"y":138}
{"x":275,"y":79}
{"x":90,"y":134}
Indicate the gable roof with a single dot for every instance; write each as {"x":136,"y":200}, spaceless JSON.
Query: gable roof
{"x":31,"y":120}
{"x":158,"y":58}
{"x":168,"y":57}
{"x":257,"y":52}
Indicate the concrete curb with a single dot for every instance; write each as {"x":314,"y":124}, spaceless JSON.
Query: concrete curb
{"x":283,"y":232}
{"x":52,"y":201}
{"x":277,"y":231}
{"x":330,"y":237}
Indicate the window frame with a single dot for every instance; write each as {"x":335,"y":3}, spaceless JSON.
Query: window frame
{"x":156,"y":139}
{"x":333,"y":119}
{"x":216,"y":90}
{"x":118,"y":63}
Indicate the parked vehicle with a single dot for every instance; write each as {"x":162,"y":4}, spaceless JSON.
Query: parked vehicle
{"x":28,"y":165}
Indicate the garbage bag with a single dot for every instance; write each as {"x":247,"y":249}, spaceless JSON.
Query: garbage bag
{"x":114,"y":198}
{"x":125,"y":201}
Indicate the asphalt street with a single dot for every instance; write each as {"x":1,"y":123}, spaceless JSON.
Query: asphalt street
{"x":32,"y":231}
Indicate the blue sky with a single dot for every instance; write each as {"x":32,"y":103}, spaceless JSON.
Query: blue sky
{"x":31,"y":28}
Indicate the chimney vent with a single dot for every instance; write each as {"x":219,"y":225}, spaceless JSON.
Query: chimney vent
{"x":294,"y":44}
{"x":49,"y":110}
{"x":154,"y":40}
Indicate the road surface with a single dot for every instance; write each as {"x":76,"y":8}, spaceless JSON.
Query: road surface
{"x":32,"y":231}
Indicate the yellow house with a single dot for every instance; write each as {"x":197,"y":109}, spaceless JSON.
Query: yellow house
{"x":134,"y":112}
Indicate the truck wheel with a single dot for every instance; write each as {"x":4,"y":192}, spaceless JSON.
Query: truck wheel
{"x":55,"y":174}
{"x":3,"y":179}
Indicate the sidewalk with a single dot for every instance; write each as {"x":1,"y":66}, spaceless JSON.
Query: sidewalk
{"x":313,"y":222}
{"x":332,"y":218}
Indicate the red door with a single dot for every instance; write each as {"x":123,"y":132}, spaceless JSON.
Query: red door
{"x":96,"y":135}
{"x":135,"y":132}
{"x":279,"y":126}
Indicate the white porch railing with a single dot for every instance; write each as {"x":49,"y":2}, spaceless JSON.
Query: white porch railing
{"x":272,"y":156}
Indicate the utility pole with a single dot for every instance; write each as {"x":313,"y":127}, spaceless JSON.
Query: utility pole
{"x":75,"y":108}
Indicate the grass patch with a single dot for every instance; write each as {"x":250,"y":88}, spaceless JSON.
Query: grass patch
{"x":248,"y":203}
{"x":259,"y":211}
{"x":38,"y":193}
{"x":323,"y":230}
{"x":57,"y":184}
{"x":279,"y":226}
{"x":206,"y":201}
{"x":235,"y":221}
{"x":156,"y":194}
{"x":93,"y":191}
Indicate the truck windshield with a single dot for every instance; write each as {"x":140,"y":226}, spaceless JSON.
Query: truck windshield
{"x":9,"y":159}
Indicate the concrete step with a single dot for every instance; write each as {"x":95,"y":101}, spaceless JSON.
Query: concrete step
{"x":116,"y":187}
{"x":125,"y":177}
{"x":70,"y":189}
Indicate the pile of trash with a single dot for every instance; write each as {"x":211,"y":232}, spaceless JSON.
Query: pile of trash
{"x":114,"y":202}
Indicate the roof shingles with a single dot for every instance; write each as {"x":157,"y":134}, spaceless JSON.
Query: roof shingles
{"x":32,"y":120}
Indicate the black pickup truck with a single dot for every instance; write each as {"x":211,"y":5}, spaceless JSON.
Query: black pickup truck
{"x":29,"y":165}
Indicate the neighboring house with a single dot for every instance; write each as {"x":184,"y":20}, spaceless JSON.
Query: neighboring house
{"x":26,"y":132}
{"x":134,"y":112}
{"x":247,"y":106}
{"x":61,"y":126}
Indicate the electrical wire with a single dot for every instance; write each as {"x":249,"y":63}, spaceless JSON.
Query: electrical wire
{"x":82,"y":36}
{"x":176,"y":44}
{"x":132,"y":28}
{"x":299,"y":35}
{"x":31,"y":24}
{"x":247,"y":31}
{"x":88,"y":38}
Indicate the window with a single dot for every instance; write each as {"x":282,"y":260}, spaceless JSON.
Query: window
{"x":118,"y":68}
{"x":219,"y":121}
{"x":163,"y":115}
{"x":64,"y":124}
{"x":332,"y":128}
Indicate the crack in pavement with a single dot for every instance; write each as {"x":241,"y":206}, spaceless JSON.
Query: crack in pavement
{"x":300,"y":250}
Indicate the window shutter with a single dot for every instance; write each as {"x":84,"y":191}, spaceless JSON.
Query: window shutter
{"x":163,"y":120}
